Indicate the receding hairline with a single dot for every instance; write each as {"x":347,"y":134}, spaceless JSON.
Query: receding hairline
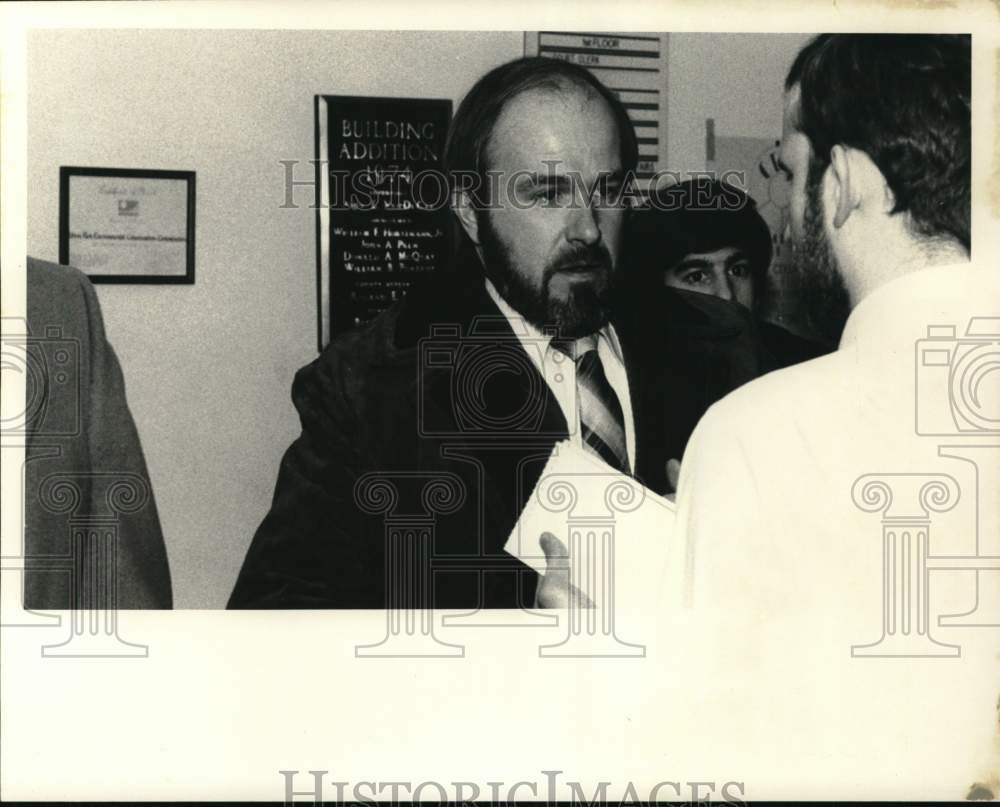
{"x":553,"y":85}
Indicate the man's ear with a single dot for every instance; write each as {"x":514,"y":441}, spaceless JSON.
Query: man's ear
{"x":857,"y":181}
{"x":846,"y":196}
{"x":466,"y":214}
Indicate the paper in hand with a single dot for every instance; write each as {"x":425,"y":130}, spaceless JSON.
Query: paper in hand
{"x":607,"y":520}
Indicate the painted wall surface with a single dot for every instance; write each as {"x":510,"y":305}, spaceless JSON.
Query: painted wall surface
{"x":737,"y":79}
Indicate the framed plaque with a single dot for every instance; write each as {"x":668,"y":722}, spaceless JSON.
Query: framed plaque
{"x":127,"y":225}
{"x":382,"y":211}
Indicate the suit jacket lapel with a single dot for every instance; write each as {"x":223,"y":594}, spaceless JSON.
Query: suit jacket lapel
{"x":477,"y":394}
{"x":649,"y":386}
{"x":470,"y":371}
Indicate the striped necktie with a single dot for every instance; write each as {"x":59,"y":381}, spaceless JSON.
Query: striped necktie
{"x":602,"y":424}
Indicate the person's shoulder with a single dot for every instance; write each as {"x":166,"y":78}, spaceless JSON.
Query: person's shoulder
{"x":333,"y":389}
{"x":49,"y":272}
{"x":687,"y":314}
{"x":352,"y":356}
{"x":781,"y":395}
{"x":768,"y":419}
{"x":54,"y":281}
{"x":786,"y":347}
{"x":61,"y":296}
{"x":394,"y":336}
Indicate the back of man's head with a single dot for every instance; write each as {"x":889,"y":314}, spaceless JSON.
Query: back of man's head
{"x":904,"y":100}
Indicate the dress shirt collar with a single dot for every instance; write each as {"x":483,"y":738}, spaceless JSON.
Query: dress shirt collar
{"x":905,"y":306}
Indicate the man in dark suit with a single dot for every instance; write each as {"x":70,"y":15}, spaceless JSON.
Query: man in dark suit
{"x":424,"y":433}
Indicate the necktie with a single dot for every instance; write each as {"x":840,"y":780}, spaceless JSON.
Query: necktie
{"x":602,"y":424}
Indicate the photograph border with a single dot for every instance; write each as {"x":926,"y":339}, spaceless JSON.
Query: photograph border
{"x":249,"y":725}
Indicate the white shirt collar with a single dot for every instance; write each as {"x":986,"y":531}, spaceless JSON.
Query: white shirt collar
{"x":906,"y":304}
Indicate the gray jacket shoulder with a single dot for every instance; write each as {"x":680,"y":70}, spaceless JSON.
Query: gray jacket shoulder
{"x":60,"y":296}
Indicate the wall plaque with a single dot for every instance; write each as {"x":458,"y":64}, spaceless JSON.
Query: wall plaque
{"x":127,"y":225}
{"x":382,"y":216}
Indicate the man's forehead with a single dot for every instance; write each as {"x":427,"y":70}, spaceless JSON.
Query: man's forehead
{"x":566,"y":125}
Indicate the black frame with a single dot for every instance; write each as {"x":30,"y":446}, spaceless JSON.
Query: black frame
{"x":67,"y":171}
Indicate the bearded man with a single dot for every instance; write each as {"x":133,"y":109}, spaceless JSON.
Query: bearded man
{"x":442,"y":412}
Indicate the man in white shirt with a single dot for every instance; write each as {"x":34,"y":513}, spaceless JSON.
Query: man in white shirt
{"x":833,"y":533}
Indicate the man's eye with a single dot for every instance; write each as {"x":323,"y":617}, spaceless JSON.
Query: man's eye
{"x":547,"y":194}
{"x":609,"y":194}
{"x":695,"y":278}
{"x":740,"y":270}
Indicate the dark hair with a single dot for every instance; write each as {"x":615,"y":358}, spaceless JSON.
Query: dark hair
{"x":472,"y":127}
{"x":697,"y":215}
{"x":903,"y":99}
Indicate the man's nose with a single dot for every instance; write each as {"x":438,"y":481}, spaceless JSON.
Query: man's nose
{"x":723,"y":287}
{"x":583,"y":224}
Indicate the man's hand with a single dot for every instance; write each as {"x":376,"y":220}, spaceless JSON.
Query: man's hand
{"x":673,"y":477}
{"x":554,"y":589}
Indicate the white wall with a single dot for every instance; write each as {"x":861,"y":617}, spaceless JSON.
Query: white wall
{"x":737,"y":79}
{"x":209,"y":366}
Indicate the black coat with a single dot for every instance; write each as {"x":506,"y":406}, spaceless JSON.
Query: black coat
{"x":439,"y":387}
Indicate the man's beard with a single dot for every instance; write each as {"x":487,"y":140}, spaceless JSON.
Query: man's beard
{"x":588,"y":305}
{"x":825,"y":300}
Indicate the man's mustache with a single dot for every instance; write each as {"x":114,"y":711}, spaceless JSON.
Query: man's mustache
{"x":596,"y":256}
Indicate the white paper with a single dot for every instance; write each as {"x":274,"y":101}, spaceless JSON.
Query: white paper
{"x":612,"y":525}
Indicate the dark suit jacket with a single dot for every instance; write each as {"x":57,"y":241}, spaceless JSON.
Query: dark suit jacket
{"x":786,"y":348}
{"x":439,"y":385}
{"x":84,"y":468}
